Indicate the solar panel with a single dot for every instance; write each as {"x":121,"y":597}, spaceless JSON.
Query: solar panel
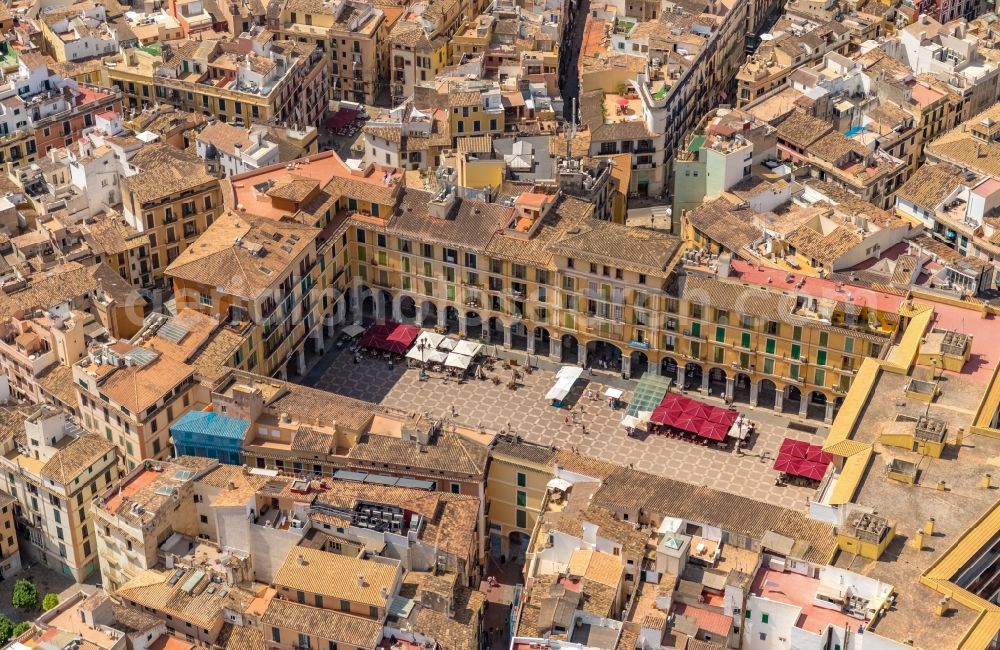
{"x":73,"y":429}
{"x":400,"y":607}
{"x":415,"y":484}
{"x":173,"y":332}
{"x":380,"y":479}
{"x":141,"y":356}
{"x":347,"y":475}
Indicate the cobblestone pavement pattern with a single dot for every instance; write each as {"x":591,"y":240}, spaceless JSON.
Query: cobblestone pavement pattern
{"x":478,"y":402}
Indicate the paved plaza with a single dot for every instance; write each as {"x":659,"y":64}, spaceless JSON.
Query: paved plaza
{"x":524,"y":410}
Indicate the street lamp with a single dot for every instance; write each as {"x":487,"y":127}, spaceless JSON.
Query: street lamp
{"x":422,"y":345}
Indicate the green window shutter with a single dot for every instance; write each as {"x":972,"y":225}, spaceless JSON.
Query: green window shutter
{"x":769,"y":346}
{"x":745,"y":339}
{"x":720,"y":334}
{"x":821,"y":358}
{"x":796,"y":351}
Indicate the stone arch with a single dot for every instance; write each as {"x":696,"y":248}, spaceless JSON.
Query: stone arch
{"x":408,"y":309}
{"x":693,"y":375}
{"x":741,"y":388}
{"x":569,"y":349}
{"x":717,"y":381}
{"x":767,"y":394}
{"x":792,"y":400}
{"x":428,"y":314}
{"x":604,"y":355}
{"x":816,"y":408}
{"x":638,"y":364}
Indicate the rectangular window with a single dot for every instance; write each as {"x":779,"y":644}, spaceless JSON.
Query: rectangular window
{"x":763,"y":618}
{"x":820,"y":378}
{"x":769,"y":366}
{"x":848,"y":345}
{"x":769,"y":346}
{"x":522,"y":519}
{"x":522,"y":479}
{"x":720,"y":334}
{"x":796,"y":351}
{"x":821,"y":357}
{"x":522,"y":498}
{"x":276,"y":635}
{"x":824,"y":338}
{"x":745,"y":339}
{"x":797,"y":333}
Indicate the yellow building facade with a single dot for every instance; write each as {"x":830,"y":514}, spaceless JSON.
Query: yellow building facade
{"x":516,"y":488}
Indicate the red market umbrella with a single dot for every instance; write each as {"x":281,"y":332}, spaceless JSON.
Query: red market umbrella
{"x":794,"y":448}
{"x":622,"y":102}
{"x":787,"y":464}
{"x":816,"y":454}
{"x":811,"y":470}
{"x":713,"y":430}
{"x":390,"y":337}
{"x":669,"y":410}
{"x":687,"y":423}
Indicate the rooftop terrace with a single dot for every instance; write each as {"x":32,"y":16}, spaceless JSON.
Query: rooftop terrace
{"x":800,"y":591}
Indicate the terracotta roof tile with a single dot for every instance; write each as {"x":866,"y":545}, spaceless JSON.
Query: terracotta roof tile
{"x":76,"y":457}
{"x":327,"y":624}
{"x":336,"y":576}
{"x":243,"y":255}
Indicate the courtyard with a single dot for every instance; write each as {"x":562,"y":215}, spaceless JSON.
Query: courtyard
{"x":593,"y":427}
